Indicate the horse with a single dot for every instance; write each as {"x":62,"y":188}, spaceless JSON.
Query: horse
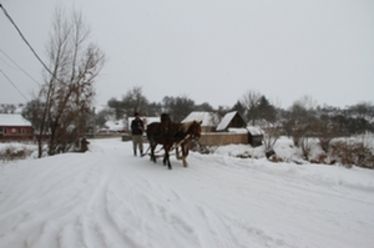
{"x":169,"y":134}
{"x":192,"y":131}
{"x":157,"y":134}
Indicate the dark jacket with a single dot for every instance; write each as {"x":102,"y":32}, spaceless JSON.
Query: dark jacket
{"x":137,"y":127}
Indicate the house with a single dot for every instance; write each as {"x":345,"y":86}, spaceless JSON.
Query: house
{"x":15,"y":127}
{"x":235,"y":130}
{"x":231,"y":120}
{"x":209,"y":120}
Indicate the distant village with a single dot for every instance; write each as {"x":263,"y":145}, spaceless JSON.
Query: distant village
{"x":14,"y":127}
{"x":239,"y":124}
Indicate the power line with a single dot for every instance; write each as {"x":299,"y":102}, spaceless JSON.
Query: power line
{"x":6,"y":62}
{"x":25,"y":40}
{"x":19,"y":67}
{"x":14,"y":85}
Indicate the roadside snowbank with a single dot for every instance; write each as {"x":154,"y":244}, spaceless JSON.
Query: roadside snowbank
{"x":17,"y":150}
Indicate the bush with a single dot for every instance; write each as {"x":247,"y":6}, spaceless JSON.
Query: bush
{"x":352,"y":154}
{"x":14,"y":153}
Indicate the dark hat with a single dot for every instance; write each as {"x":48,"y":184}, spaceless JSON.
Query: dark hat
{"x":136,"y":114}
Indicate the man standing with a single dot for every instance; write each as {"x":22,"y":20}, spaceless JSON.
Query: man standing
{"x":137,"y":128}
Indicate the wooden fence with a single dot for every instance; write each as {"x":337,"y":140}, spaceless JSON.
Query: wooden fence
{"x":223,"y":138}
{"x":213,"y":138}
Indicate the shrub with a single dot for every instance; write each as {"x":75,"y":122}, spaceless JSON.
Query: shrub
{"x":305,"y":146}
{"x":353,"y":154}
{"x":13,"y":153}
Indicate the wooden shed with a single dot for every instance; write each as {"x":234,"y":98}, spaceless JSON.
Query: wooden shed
{"x":255,"y":135}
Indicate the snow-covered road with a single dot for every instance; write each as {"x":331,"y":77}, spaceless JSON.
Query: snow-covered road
{"x":108,"y":198}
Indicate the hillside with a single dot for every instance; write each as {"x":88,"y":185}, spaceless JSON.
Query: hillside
{"x":108,"y":198}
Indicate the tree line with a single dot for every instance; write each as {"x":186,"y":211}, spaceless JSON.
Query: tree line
{"x":256,"y":110}
{"x":302,"y":121}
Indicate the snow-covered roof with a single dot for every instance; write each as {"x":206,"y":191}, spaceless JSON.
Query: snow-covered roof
{"x":255,"y":130}
{"x":226,"y":121}
{"x":208,"y":119}
{"x":14,"y":120}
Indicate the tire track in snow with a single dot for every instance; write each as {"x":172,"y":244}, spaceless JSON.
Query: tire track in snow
{"x":151,"y":216}
{"x":44,"y":213}
{"x":104,"y":223}
{"x":215,"y":224}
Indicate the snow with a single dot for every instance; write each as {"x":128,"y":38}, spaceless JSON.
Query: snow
{"x":226,"y":121}
{"x":30,"y":149}
{"x":115,"y":125}
{"x":255,"y":130}
{"x":18,"y":145}
{"x":367,"y":139}
{"x":109,"y":198}
{"x":209,"y":119}
{"x":285,"y":149}
{"x":237,"y":130}
{"x":240,"y":150}
{"x":14,"y":120}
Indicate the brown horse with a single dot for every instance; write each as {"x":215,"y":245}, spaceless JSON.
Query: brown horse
{"x":192,"y":131}
{"x":169,"y":135}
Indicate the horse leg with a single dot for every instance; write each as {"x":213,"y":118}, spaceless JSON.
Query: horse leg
{"x":153,"y":147}
{"x":168,"y":160}
{"x":183,"y":157}
{"x":184,"y":154}
{"x":146,"y":151}
{"x":177,"y":153}
{"x":185,"y":149}
{"x":167,"y":157}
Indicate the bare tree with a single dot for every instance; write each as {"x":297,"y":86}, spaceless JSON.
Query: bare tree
{"x":132,"y":101}
{"x":68,"y":92}
{"x":178,"y":107}
{"x":300,"y":119}
{"x":271,"y":136}
{"x":33,"y":112}
{"x":325,"y":130}
{"x":305,"y":146}
{"x":307,"y":102}
{"x":135,"y":101}
{"x":250,"y":101}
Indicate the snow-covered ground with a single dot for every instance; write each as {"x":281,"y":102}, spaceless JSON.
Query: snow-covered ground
{"x":108,"y":198}
{"x":18,"y":145}
{"x":18,"y":150}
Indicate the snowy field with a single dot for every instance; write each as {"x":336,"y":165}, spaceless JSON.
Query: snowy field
{"x":108,"y":198}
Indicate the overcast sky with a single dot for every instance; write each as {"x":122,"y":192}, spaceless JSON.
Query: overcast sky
{"x":209,"y":50}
